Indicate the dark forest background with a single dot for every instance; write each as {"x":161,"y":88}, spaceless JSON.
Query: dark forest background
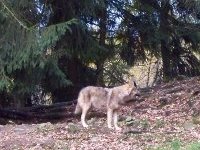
{"x":57,"y":47}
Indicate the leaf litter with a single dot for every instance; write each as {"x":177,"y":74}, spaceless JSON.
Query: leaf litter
{"x":162,"y":114}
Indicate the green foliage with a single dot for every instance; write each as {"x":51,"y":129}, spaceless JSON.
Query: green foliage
{"x":193,"y":146}
{"x":178,"y":145}
{"x":175,"y":145}
{"x":53,"y":33}
{"x":24,"y":58}
{"x":30,"y":50}
{"x":36,"y":35}
{"x":114,"y":72}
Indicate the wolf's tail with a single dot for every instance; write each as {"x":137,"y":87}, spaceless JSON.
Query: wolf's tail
{"x":78,"y":109}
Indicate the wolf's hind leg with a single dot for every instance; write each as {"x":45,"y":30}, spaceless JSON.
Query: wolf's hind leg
{"x":109,"y":117}
{"x":115,"y":120}
{"x":78,"y":109}
{"x":83,"y":115}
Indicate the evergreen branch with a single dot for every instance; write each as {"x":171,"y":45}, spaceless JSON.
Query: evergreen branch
{"x":14,"y":16}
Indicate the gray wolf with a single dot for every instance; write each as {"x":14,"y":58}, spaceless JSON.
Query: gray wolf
{"x":110,"y":99}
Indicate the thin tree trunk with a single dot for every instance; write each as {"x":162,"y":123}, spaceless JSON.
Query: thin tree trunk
{"x":149,"y":72}
{"x":165,"y":52}
{"x":166,"y":61}
{"x":102,"y":40}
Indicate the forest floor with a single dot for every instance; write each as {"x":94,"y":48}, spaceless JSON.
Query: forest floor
{"x":165,"y":117}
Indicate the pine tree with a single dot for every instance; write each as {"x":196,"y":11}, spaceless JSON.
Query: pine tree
{"x":52,"y":44}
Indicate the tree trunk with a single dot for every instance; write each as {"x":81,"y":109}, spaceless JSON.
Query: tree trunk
{"x":102,"y":39}
{"x":166,"y":61}
{"x":64,"y":11}
{"x":165,"y":51}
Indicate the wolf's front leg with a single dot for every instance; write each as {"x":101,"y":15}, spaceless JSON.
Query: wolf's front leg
{"x":109,"y":117}
{"x":115,"y":120}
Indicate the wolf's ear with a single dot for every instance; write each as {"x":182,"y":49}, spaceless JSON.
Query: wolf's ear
{"x":132,"y":82}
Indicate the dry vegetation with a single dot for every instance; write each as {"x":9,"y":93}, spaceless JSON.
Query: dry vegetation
{"x":165,"y":117}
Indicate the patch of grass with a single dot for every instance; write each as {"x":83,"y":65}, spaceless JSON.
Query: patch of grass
{"x":193,"y":146}
{"x":177,"y":145}
{"x":129,"y":121}
{"x":72,"y":128}
{"x":173,"y":145}
{"x":144,"y":123}
{"x":45,"y":127}
{"x":159,"y":123}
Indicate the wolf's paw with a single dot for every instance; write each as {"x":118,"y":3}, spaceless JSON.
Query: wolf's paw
{"x":118,"y":129}
{"x":110,"y":127}
{"x":85,"y":126}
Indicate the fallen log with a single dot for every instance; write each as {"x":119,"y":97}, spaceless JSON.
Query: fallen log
{"x":40,"y":112}
{"x":14,"y":114}
{"x":47,"y":107}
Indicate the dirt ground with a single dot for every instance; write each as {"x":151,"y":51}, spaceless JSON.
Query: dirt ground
{"x":165,"y":117}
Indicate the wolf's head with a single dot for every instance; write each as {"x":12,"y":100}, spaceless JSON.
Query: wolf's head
{"x":131,"y":90}
{"x":132,"y":86}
